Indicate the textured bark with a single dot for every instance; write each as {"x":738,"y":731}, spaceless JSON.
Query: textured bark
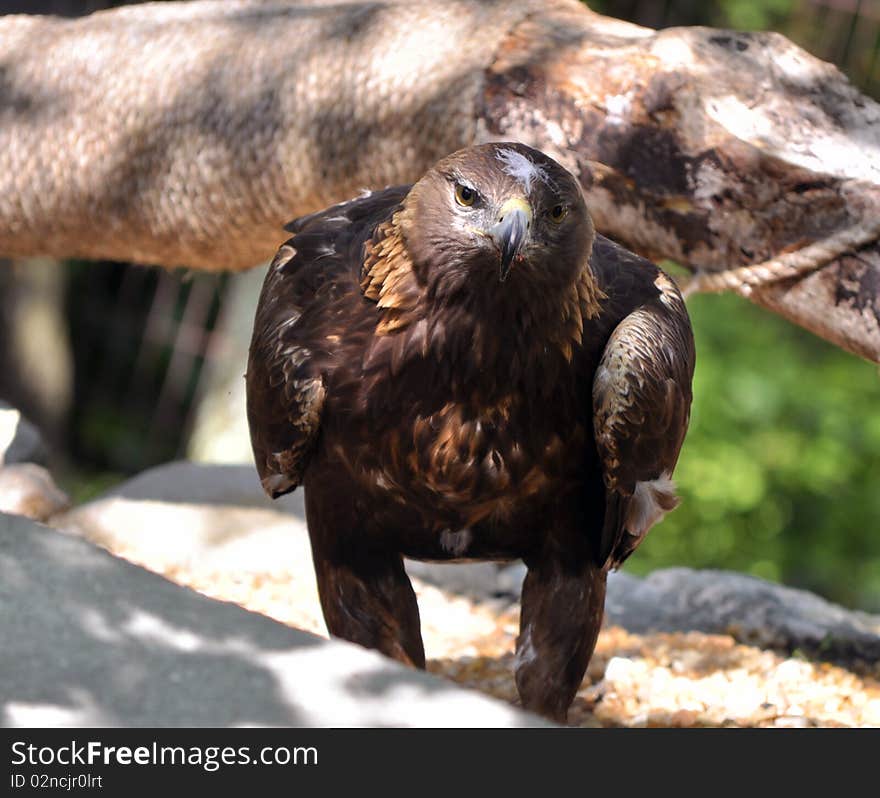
{"x":189,"y":133}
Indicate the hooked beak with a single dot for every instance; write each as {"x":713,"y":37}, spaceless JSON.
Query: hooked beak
{"x":512,"y":229}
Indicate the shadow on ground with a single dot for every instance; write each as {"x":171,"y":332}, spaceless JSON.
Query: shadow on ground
{"x":92,"y":640}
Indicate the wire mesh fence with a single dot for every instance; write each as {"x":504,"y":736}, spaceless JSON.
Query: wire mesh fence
{"x":140,"y":339}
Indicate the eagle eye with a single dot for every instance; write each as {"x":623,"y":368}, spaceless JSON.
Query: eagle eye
{"x":464,"y":195}
{"x":558,"y":213}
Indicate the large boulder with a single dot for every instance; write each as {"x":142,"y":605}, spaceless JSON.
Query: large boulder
{"x":26,"y":487}
{"x":92,"y":640}
{"x":750,"y":609}
{"x":200,"y":517}
{"x":29,"y":490}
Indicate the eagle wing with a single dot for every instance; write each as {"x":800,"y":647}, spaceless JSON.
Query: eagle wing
{"x":285,"y":393}
{"x":311,"y":276}
{"x":641,"y":408}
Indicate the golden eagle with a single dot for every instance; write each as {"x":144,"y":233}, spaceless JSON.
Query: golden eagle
{"x":462,"y":369}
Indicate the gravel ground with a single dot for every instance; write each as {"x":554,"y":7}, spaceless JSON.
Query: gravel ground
{"x":634,"y":680}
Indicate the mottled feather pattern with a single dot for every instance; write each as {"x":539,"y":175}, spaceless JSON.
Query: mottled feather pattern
{"x":297,"y":394}
{"x":286,"y":387}
{"x":641,"y":398}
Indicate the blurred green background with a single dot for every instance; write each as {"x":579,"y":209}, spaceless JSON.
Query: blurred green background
{"x":780,"y":472}
{"x":779,"y":475}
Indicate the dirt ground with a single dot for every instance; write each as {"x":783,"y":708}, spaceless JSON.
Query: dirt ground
{"x":633,"y":680}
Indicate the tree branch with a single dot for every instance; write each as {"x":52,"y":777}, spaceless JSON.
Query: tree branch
{"x":188,"y":134}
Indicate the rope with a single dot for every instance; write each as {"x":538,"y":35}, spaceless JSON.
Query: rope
{"x":744,"y":279}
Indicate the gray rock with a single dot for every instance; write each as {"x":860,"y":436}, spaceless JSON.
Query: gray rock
{"x":92,"y":640}
{"x":479,"y":580}
{"x":510,"y":579}
{"x":199,"y":483}
{"x":20,"y":441}
{"x":752,"y":610}
{"x":476,"y":579}
{"x":29,"y":490}
{"x":205,"y":518}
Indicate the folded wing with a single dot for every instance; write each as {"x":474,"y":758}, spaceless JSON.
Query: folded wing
{"x":641,"y":402}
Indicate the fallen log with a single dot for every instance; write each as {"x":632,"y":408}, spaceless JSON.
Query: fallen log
{"x":188,"y":133}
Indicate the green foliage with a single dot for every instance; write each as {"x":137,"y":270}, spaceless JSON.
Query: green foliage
{"x":779,"y":473}
{"x":83,"y":484}
{"x":753,"y":15}
{"x":736,"y":14}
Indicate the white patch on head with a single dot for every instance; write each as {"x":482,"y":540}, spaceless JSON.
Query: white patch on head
{"x":521,"y":168}
{"x":649,"y":503}
{"x":525,"y":653}
{"x":456,"y":543}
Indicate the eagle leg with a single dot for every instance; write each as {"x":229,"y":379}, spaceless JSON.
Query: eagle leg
{"x":369,"y":600}
{"x":563,"y":602}
{"x":366,"y":596}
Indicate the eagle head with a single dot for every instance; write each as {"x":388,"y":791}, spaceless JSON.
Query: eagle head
{"x":499,"y":215}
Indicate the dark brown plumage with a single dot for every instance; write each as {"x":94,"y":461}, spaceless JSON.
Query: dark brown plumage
{"x":461,"y":369}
